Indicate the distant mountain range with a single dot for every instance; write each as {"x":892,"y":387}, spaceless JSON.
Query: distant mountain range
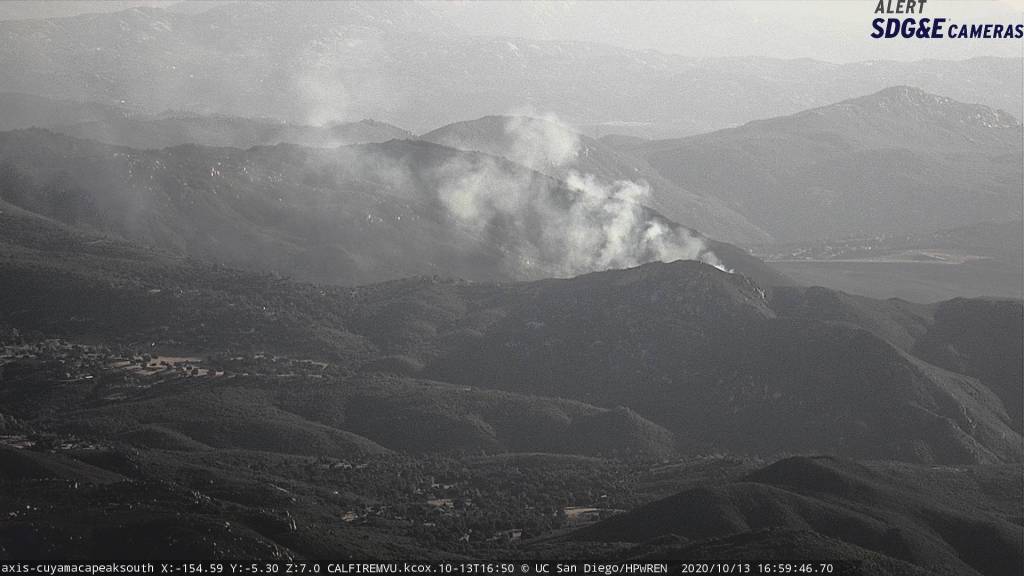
{"x":332,"y":63}
{"x":501,"y":136}
{"x":841,"y":192}
{"x":349,"y":215}
{"x":19,"y":111}
{"x":126,"y":127}
{"x":164,"y":132}
{"x":900,"y":161}
{"x":844,"y":176}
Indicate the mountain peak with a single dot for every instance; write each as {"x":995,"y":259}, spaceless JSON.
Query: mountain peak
{"x":909,"y":101}
{"x":906,"y":92}
{"x":904,"y":96}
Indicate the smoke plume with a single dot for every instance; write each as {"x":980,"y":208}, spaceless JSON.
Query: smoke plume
{"x":559,"y":227}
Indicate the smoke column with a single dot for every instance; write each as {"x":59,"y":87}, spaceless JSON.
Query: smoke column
{"x":546,"y":226}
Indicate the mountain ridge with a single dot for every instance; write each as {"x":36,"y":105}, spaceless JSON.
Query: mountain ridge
{"x":523,"y":139}
{"x":874,"y":509}
{"x":351,"y":214}
{"x":305,"y":74}
{"x":856,"y":168}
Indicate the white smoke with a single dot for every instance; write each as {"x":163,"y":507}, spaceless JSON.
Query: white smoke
{"x":320,"y":91}
{"x":547,"y":228}
{"x":540,"y":142}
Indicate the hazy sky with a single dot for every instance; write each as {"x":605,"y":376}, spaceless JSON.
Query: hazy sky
{"x":834,"y":30}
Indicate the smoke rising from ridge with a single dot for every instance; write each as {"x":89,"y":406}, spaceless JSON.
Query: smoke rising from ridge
{"x":545,"y":226}
{"x":540,"y":142}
